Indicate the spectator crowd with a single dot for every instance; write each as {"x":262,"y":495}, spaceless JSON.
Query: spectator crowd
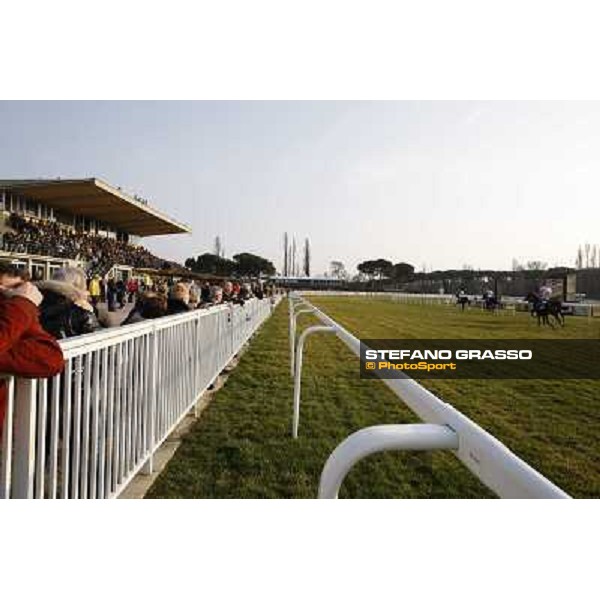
{"x":34,"y":316}
{"x":162,"y":296}
{"x":72,"y":304}
{"x":100,"y":253}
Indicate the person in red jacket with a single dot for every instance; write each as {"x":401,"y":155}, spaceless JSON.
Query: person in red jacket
{"x":26,"y":350}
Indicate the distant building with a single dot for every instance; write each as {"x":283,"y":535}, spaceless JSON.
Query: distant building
{"x":309,"y":283}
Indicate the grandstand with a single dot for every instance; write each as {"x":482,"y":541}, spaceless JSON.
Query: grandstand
{"x":48,"y":223}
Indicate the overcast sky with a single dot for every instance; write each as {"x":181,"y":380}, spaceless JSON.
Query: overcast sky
{"x":435,"y":184}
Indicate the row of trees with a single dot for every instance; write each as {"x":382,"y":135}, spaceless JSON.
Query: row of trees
{"x":530,"y":265}
{"x":244,"y":264}
{"x":382,"y":268}
{"x":291,"y":257}
{"x":588,"y":256}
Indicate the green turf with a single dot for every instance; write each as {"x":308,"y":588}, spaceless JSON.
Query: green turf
{"x":242,"y":447}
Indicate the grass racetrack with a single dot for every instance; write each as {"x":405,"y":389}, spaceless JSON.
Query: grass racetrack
{"x":242,"y":445}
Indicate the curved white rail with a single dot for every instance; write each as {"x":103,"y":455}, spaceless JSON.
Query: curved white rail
{"x":298,"y":371}
{"x":379,"y":438}
{"x":486,"y":457}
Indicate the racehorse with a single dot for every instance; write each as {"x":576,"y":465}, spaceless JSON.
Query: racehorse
{"x":463,"y":300}
{"x":544,"y":309}
{"x":490,"y":303}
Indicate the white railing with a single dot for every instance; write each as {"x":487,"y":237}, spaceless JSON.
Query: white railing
{"x":403,"y":297}
{"x":578,"y":309}
{"x":88,"y":431}
{"x":486,"y":457}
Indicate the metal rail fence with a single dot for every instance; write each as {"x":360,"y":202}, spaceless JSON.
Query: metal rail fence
{"x":88,"y":431}
{"x":578,"y":309}
{"x":410,"y":297}
{"x":444,"y":427}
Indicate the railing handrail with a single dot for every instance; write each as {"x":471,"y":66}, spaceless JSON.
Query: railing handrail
{"x":108,"y":336}
{"x":485,"y":456}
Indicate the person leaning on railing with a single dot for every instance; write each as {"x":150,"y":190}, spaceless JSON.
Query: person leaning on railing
{"x":26,"y":350}
{"x":65,"y":310}
{"x":179,"y":299}
{"x":149,"y":305}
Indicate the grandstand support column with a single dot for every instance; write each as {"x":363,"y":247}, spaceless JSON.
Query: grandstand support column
{"x":148,"y":467}
{"x":298,"y":367}
{"x":24,"y":438}
{"x":379,"y":438}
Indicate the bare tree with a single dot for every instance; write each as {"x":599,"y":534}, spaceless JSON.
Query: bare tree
{"x":306,"y":257}
{"x":579,"y":259}
{"x":294,"y":264}
{"x":338,"y":270}
{"x":286,"y":255}
{"x":536,"y":265}
{"x":587,"y":248}
{"x":219,"y":247}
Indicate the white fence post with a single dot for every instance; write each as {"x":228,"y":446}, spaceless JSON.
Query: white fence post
{"x":6,"y":437}
{"x":293,"y":328}
{"x":24,"y":438}
{"x":152,"y":401}
{"x":298,"y":371}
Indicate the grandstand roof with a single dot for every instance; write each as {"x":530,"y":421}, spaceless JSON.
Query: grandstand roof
{"x":97,"y":199}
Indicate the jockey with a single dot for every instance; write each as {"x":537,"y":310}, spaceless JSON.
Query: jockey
{"x":545,"y":292}
{"x":462,"y":298}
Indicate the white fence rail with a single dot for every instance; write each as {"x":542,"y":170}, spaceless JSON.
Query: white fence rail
{"x":86,"y":432}
{"x":577,"y":309}
{"x":486,"y":457}
{"x":435,"y":298}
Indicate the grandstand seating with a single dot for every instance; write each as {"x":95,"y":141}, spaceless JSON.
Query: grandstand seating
{"x":98,"y":253}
